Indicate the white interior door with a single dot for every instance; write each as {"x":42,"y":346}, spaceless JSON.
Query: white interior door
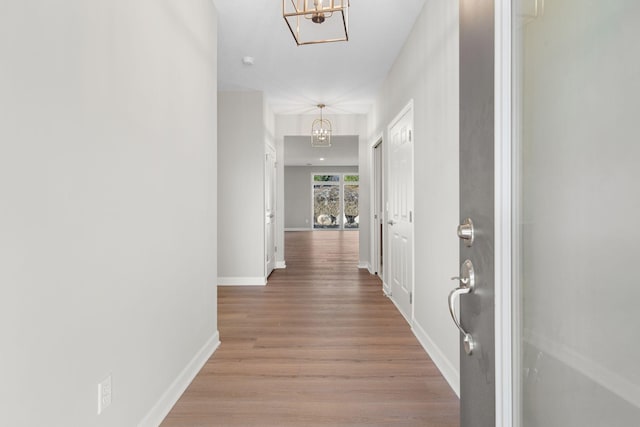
{"x":400,"y":211}
{"x":378,"y":211}
{"x":577,"y":347}
{"x":269,"y":209}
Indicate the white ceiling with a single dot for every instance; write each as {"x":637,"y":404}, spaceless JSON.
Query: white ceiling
{"x":345,"y":75}
{"x":299,"y":152}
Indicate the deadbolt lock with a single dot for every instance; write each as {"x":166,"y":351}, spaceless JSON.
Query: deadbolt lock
{"x":466,"y":232}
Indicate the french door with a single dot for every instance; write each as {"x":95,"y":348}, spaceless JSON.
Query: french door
{"x":334,"y":201}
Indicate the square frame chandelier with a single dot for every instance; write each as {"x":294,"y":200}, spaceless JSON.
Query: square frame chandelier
{"x":313,"y":22}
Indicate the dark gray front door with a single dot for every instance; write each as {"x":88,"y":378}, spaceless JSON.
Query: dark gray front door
{"x":477,"y":370}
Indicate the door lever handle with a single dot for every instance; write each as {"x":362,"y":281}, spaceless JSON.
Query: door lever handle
{"x":391,"y":222}
{"x":467,"y":283}
{"x":469,"y":344}
{"x":462,"y":280}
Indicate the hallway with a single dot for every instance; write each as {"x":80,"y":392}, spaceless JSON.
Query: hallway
{"x":319,"y":345}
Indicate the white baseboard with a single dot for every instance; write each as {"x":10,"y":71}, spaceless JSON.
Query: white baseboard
{"x":386,"y":288}
{"x":169,"y":398}
{"x":618,"y":384}
{"x":298,"y":229}
{"x":364,"y":264}
{"x":448,"y":371}
{"x":280,"y":265}
{"x":242,"y":281}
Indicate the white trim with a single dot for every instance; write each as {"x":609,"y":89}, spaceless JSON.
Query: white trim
{"x":386,"y":288}
{"x":242,"y":281}
{"x":364,"y":264}
{"x":447,"y":369}
{"x":281,"y":265}
{"x":373,"y":242}
{"x":516,"y":239}
{"x":408,"y":319}
{"x":169,"y":398}
{"x":596,"y":372}
{"x":270,"y":187}
{"x":298,"y":229}
{"x":503,"y":215}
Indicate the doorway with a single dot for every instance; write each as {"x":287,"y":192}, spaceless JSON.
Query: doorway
{"x":269,"y":209}
{"x":377,"y":210}
{"x":334,"y":201}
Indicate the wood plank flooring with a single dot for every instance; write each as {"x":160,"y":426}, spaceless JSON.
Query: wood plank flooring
{"x":320,"y":345}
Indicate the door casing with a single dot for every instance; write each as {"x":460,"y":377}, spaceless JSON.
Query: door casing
{"x":377,"y":205}
{"x":503,"y":212}
{"x":270,"y":209}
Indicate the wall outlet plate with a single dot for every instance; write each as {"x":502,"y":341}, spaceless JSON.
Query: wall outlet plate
{"x":104,"y":394}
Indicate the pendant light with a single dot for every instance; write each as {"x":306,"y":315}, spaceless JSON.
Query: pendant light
{"x":321,"y":131}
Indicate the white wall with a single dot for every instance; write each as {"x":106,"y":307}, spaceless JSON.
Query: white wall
{"x":108,"y":217}
{"x":345,"y":124}
{"x":242,"y":133}
{"x":297,"y":192}
{"x":579,"y":194}
{"x":426,"y":71}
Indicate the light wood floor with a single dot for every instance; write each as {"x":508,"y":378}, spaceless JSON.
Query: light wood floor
{"x":320,"y":345}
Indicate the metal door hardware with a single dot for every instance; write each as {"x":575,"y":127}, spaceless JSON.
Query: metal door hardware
{"x":467,"y":282}
{"x":466,"y":232}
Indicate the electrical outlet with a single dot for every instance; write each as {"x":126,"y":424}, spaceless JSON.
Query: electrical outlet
{"x":104,"y":394}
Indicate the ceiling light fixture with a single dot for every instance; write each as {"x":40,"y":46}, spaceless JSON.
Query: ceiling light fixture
{"x":301,"y":17}
{"x":321,"y":131}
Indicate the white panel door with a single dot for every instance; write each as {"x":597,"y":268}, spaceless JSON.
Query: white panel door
{"x":269,"y":209}
{"x":400,"y":211}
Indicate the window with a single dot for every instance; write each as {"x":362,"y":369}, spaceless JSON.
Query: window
{"x":350,"y":193}
{"x":335,"y":201}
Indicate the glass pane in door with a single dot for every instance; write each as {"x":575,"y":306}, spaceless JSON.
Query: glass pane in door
{"x":351,"y":218}
{"x":326,"y":201}
{"x":577,"y":87}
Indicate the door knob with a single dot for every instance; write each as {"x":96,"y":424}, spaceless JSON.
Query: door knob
{"x":466,"y":232}
{"x":467,"y":282}
{"x":391,"y":222}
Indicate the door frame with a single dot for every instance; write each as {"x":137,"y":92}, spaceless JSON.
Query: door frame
{"x":504,"y":207}
{"x":341,"y":183}
{"x":272,"y":175}
{"x":376,"y":193}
